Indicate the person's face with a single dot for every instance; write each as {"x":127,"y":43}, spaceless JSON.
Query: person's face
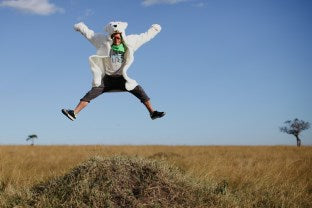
{"x":116,"y":39}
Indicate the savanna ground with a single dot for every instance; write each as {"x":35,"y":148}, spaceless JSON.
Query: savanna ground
{"x":241,"y":176}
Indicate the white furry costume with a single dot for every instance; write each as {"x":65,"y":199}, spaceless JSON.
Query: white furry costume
{"x":101,"y":60}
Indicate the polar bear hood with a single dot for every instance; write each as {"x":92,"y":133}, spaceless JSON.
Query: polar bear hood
{"x":116,"y":27}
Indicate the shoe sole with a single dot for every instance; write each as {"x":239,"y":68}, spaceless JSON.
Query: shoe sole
{"x":65,"y":112}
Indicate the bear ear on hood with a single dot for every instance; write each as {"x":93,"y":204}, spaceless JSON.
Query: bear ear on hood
{"x":123,"y":25}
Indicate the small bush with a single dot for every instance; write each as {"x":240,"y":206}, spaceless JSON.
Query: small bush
{"x":122,"y":181}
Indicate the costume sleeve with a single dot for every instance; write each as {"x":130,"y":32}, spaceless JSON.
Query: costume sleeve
{"x":147,"y":36}
{"x":93,"y":37}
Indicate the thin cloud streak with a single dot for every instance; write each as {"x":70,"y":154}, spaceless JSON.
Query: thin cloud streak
{"x":199,"y":5}
{"x":153,"y":2}
{"x":87,"y":13}
{"x":39,"y":7}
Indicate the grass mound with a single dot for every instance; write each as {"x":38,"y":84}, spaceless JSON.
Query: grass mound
{"x":121,"y":181}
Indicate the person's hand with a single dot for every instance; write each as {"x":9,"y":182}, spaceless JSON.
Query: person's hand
{"x":78,"y":26}
{"x":157,"y":27}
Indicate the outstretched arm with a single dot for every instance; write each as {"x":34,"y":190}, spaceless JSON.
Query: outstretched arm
{"x":93,"y":37}
{"x":147,"y":36}
{"x":84,"y":30}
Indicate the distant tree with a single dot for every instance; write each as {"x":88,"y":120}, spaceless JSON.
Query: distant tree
{"x":32,"y":138}
{"x":295,"y":127}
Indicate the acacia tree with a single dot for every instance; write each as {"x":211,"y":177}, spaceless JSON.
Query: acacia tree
{"x":295,"y":127}
{"x":32,"y":138}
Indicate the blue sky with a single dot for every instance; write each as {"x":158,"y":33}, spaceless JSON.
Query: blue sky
{"x":225,"y":72}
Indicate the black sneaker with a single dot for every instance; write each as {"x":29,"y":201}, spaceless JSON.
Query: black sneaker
{"x":69,"y":113}
{"x":157,"y":114}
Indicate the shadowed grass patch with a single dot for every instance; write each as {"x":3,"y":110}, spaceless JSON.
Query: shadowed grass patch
{"x":165,"y":155}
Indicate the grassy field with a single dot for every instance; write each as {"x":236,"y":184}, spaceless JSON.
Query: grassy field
{"x":260,"y":176}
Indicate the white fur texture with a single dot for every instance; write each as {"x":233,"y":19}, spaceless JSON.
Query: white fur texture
{"x":100,"y":61}
{"x":114,"y":27}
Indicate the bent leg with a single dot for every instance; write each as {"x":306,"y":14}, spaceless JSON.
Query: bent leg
{"x":142,"y":96}
{"x":148,"y":106}
{"x":81,"y":105}
{"x":93,"y":93}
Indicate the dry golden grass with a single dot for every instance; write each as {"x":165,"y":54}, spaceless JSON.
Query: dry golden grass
{"x":261,"y":176}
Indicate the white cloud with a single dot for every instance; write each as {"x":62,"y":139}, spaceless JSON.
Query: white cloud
{"x":200,"y":5}
{"x":87,"y":13}
{"x":152,"y":2}
{"x":40,"y":7}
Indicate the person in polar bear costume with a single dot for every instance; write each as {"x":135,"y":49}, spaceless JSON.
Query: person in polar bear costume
{"x":109,"y":65}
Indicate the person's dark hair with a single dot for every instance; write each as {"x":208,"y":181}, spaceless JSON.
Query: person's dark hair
{"x":112,"y":35}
